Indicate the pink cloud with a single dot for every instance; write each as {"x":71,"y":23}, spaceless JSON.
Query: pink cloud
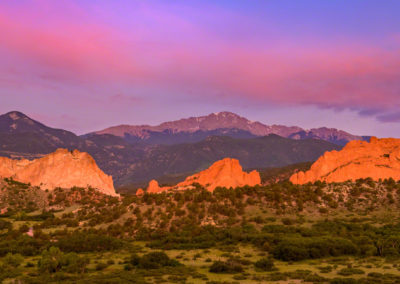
{"x":124,"y":99}
{"x":72,"y":51}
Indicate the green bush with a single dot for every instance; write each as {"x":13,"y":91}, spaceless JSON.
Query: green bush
{"x":101,"y":266}
{"x":265,"y":264}
{"x":53,"y":260}
{"x":226,"y":267}
{"x":350,"y":271}
{"x":13,"y":260}
{"x":153,"y":260}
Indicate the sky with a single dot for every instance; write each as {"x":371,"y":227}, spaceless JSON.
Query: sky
{"x":86,"y":65}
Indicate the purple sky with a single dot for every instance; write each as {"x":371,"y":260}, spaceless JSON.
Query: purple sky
{"x":86,"y":65}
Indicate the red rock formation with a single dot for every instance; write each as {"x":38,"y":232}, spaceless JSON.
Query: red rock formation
{"x":139,"y":192}
{"x":155,"y":188}
{"x":62,"y":168}
{"x":224,"y":173}
{"x":378,"y":159}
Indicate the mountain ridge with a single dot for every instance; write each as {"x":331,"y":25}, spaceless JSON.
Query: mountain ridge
{"x":227,"y":120}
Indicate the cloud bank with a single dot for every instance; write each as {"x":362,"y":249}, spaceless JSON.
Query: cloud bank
{"x":68,"y":45}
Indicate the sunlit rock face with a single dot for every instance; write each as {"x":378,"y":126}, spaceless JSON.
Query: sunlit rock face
{"x":140,"y":192}
{"x":61,"y":168}
{"x":155,"y":188}
{"x":378,"y":159}
{"x":224,"y":173}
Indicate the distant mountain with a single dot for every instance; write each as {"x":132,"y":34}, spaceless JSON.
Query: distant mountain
{"x":23,"y":137}
{"x":260,"y":152}
{"x":195,"y":129}
{"x":19,"y":133}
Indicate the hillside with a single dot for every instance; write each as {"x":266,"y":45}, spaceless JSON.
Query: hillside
{"x":21,"y":134}
{"x":260,"y":152}
{"x":277,"y":233}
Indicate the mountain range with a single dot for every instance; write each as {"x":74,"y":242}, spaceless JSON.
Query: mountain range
{"x":137,"y":154}
{"x":195,"y":129}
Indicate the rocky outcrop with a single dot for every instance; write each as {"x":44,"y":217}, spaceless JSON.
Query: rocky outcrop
{"x":378,"y":159}
{"x":139,"y":192}
{"x":224,"y":173}
{"x":155,"y":188}
{"x":62,"y":168}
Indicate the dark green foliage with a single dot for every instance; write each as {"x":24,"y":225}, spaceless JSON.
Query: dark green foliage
{"x":22,"y":244}
{"x":88,"y":242}
{"x":101,"y":266}
{"x":350,"y":271}
{"x":265,"y":264}
{"x":229,"y":266}
{"x":13,"y":260}
{"x":53,"y":260}
{"x":5,"y":225}
{"x":304,"y":248}
{"x":153,"y":260}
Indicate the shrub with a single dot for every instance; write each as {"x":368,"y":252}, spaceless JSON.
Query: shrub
{"x":265,"y":264}
{"x":226,"y":267}
{"x":53,"y":260}
{"x":152,"y":260}
{"x":13,"y":260}
{"x":350,"y":271}
{"x":110,"y":262}
{"x":101,"y":266}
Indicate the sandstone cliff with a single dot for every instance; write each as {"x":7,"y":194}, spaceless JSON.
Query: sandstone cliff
{"x":378,"y":159}
{"x":140,"y":192}
{"x":155,"y":188}
{"x":224,"y":173}
{"x":59,"y":169}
